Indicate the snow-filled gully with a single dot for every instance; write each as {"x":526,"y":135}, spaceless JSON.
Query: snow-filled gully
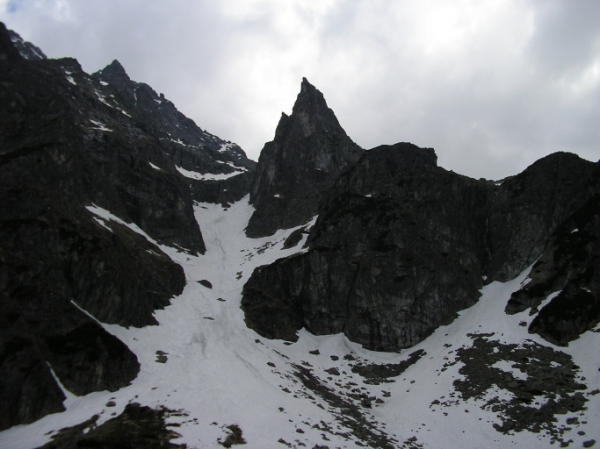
{"x":202,"y":361}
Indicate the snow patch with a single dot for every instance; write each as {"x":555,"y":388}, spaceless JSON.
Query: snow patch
{"x":100,"y":126}
{"x":507,"y":367}
{"x":106,"y":215}
{"x":226,"y":147}
{"x":102,"y":223}
{"x":206,"y":176}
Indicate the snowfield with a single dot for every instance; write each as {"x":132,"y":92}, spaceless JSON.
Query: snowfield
{"x":202,"y":361}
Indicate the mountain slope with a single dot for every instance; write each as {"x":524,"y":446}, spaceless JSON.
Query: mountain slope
{"x":209,"y":370}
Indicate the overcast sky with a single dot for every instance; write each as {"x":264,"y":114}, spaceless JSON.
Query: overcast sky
{"x":492,"y":85}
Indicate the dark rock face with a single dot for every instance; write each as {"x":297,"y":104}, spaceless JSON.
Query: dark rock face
{"x":26,"y":49}
{"x":29,"y":392}
{"x":8,"y":51}
{"x":396,"y":252}
{"x":309,"y":153}
{"x":188,"y":146}
{"x":53,"y":140}
{"x":528,"y":208}
{"x":226,"y":191}
{"x":568,"y":266}
{"x":401,"y":245}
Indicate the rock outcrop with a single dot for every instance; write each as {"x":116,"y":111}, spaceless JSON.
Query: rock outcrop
{"x":138,"y":427}
{"x":308,"y":154}
{"x":566,"y":273}
{"x":401,"y":245}
{"x":396,"y":252}
{"x":528,"y":208}
{"x":226,"y":169}
{"x":26,"y":49}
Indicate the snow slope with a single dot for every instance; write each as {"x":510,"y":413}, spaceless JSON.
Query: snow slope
{"x":203,"y":361}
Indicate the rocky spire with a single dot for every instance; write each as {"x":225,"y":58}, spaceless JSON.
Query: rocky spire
{"x":113,"y":73}
{"x":309,"y":152}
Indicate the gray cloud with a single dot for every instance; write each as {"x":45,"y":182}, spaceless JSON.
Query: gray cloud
{"x":492,"y":86}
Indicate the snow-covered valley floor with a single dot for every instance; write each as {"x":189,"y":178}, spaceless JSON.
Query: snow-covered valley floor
{"x":204,"y":362}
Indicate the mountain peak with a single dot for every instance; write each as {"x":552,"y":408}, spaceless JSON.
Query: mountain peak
{"x":114,"y":70}
{"x":8,"y":51}
{"x":310,"y":100}
{"x":306,"y":86}
{"x":310,"y":138}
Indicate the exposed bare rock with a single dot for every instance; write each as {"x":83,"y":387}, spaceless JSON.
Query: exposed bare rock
{"x":567,"y":267}
{"x":401,"y":245}
{"x":187,"y":145}
{"x":394,"y":255}
{"x":310,"y":151}
{"x":528,"y":208}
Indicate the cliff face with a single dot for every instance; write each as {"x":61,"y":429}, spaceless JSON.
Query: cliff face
{"x":528,"y":208}
{"x":566,"y":274}
{"x":395,"y":252}
{"x":309,"y":153}
{"x":401,"y":245}
{"x":188,"y":145}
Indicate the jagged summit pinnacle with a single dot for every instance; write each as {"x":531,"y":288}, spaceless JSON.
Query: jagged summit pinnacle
{"x":311,"y":101}
{"x":115,"y":67}
{"x":309,"y":152}
{"x":307,"y":88}
{"x":310,"y":115}
{"x":113,"y":72}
